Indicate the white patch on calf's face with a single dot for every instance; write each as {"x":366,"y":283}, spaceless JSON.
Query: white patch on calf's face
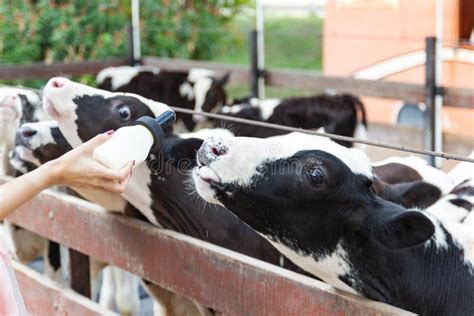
{"x":328,"y":268}
{"x":196,"y":74}
{"x":201,"y":87}
{"x":245,"y":154}
{"x":122,"y":75}
{"x":43,"y":134}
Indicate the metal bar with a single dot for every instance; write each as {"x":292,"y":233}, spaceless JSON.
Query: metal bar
{"x":430,"y":94}
{"x":328,"y":135}
{"x":130,"y":45}
{"x":45,"y":297}
{"x":228,"y":282}
{"x":79,"y":273}
{"x":259,"y":26}
{"x":438,"y":102}
{"x":254,"y":75}
{"x":136,"y":31}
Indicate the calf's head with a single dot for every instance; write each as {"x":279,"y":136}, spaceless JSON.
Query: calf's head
{"x":206,"y":89}
{"x":83,"y":112}
{"x":304,"y":192}
{"x":38,"y":143}
{"x":19,"y":104}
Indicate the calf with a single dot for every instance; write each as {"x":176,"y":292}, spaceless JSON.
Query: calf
{"x":313,"y":201}
{"x":457,"y":205}
{"x":336,"y":113}
{"x":16,"y":106}
{"x":36,"y":144}
{"x":196,"y":89}
{"x":158,"y":188}
{"x":395,"y":170}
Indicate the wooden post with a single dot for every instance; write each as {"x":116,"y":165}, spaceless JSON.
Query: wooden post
{"x":79,"y":273}
{"x":430,"y":95}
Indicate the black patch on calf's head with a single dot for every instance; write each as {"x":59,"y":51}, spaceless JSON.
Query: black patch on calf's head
{"x":97,"y":114}
{"x":28,"y":110}
{"x":292,"y":198}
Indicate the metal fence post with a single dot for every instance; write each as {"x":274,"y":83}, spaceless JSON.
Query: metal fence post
{"x":133,"y":32}
{"x":130,"y":46}
{"x":430,"y":95}
{"x":254,"y":71}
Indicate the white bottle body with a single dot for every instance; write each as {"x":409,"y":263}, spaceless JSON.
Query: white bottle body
{"x":127,"y":143}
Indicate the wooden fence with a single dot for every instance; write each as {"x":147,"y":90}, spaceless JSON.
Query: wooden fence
{"x":239,"y":74}
{"x":231,"y":283}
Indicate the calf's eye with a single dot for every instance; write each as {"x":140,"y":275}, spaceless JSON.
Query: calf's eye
{"x":125,"y":113}
{"x":317,"y":174}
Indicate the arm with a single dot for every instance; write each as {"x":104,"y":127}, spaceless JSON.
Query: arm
{"x":75,"y":168}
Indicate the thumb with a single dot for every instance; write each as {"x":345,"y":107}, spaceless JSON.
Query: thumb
{"x":98,"y":140}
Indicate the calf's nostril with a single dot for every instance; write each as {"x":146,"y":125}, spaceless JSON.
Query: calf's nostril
{"x":57,"y":84}
{"x":27,"y":133}
{"x":218,"y":151}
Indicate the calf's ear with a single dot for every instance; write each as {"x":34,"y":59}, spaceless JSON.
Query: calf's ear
{"x":418,"y":194}
{"x":224,"y":79}
{"x":404,"y":230}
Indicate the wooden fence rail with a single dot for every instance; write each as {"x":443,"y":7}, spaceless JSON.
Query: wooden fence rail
{"x":44,"y":297}
{"x":310,"y":80}
{"x":224,"y":280}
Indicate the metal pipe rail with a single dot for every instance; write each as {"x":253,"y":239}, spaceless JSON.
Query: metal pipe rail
{"x":332,"y":136}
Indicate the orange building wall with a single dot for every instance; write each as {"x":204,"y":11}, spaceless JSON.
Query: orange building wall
{"x":360,"y":33}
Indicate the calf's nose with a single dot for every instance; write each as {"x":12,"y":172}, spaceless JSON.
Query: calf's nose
{"x":211,"y":149}
{"x":57,"y":82}
{"x":27,"y":132}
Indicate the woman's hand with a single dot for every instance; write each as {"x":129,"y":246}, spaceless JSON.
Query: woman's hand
{"x":77,"y":169}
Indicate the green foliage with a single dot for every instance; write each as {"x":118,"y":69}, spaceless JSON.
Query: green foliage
{"x":76,"y":30}
{"x":289,"y":42}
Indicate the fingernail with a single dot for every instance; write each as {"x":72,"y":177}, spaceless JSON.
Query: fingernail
{"x":110,"y":132}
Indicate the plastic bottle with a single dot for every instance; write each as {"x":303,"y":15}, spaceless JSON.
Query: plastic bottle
{"x":134,"y":142}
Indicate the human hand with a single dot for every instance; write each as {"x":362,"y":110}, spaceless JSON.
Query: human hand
{"x":77,"y":169}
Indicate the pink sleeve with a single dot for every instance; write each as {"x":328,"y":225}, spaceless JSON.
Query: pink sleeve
{"x":11,"y":301}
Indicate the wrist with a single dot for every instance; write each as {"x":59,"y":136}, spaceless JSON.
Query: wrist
{"x":52,"y":173}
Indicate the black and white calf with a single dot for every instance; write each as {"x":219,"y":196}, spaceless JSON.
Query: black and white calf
{"x":36,"y":144}
{"x":158,"y":188}
{"x":17,"y":106}
{"x":312,"y":199}
{"x":458,"y":204}
{"x":336,"y":113}
{"x":196,"y":89}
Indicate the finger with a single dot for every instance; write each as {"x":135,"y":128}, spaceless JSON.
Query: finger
{"x":114,"y":186}
{"x":97,"y":140}
{"x":115,"y":175}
